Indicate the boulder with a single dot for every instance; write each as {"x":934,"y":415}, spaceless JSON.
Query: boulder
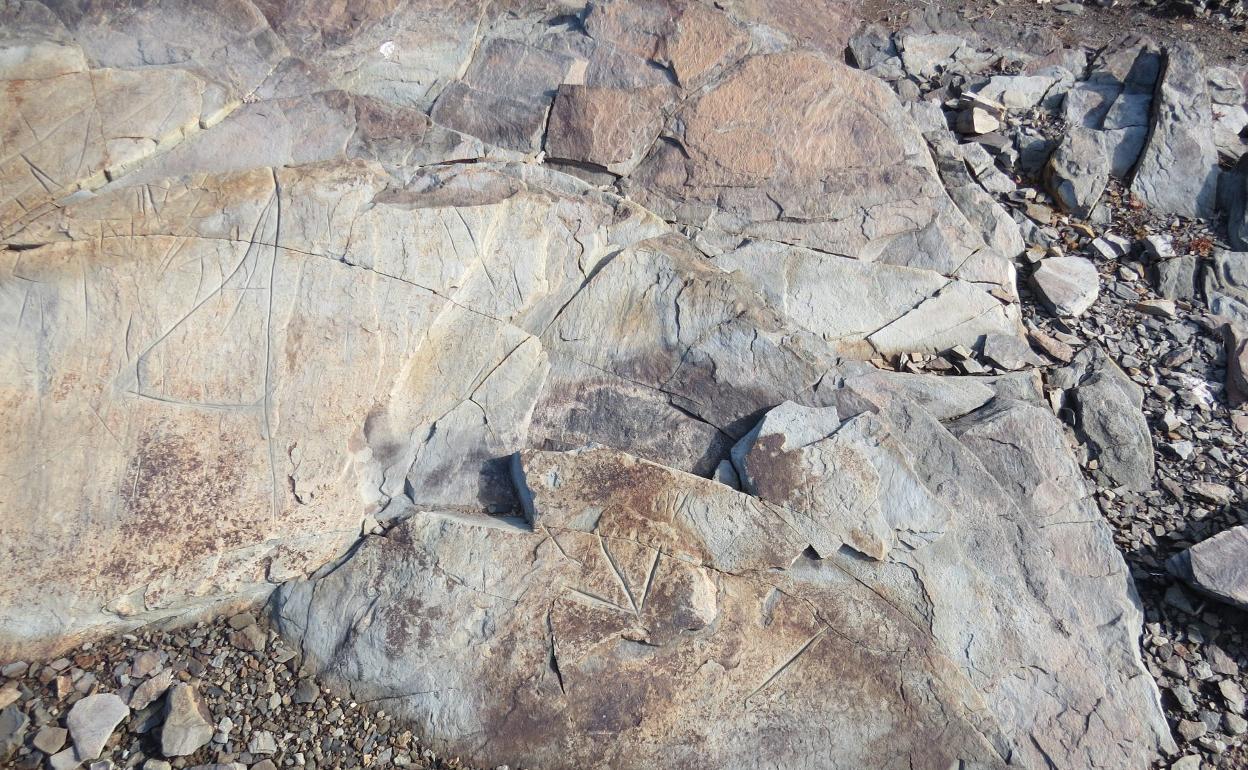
{"x":1067,"y":285}
{"x":1217,"y":566}
{"x":1178,"y":169}
{"x":637,"y":615}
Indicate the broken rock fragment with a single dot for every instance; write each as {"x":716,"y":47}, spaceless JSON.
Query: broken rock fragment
{"x":91,"y":722}
{"x":188,"y":723}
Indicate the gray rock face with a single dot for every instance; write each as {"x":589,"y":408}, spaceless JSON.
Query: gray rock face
{"x":352,"y":264}
{"x":1078,"y":171}
{"x":1068,"y":285}
{"x":1236,"y":341}
{"x":188,"y":723}
{"x":1109,"y":418}
{"x":1176,"y":277}
{"x":1178,"y":170}
{"x":1217,"y":566}
{"x":13,"y":728}
{"x":1234,"y":192}
{"x":640,"y":615}
{"x":968,"y":193}
{"x":1226,"y":286}
{"x":92,"y":720}
{"x":1116,"y":101}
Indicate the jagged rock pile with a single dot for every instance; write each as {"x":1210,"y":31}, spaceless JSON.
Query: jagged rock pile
{"x":1155,"y":293}
{"x":632,"y":383}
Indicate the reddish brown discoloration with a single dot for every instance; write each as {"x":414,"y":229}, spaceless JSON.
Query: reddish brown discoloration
{"x":171,"y":481}
{"x":776,"y":473}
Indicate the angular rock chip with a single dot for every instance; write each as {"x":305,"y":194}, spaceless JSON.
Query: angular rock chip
{"x":13,"y":727}
{"x":188,"y":723}
{"x":151,"y":689}
{"x":50,"y":739}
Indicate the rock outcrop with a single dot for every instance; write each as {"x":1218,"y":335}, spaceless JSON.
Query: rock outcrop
{"x":348,"y":267}
{"x":559,"y":363}
{"x":891,"y":580}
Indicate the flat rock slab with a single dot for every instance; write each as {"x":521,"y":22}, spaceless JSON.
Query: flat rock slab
{"x":640,"y":616}
{"x":1217,"y":566}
